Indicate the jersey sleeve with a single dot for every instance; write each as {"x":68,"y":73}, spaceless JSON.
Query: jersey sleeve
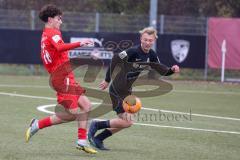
{"x":159,"y":67}
{"x":117,"y":58}
{"x":59,"y":45}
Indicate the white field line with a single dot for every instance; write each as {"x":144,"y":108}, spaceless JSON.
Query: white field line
{"x":151,"y":125}
{"x":44,"y":109}
{"x":149,"y":109}
{"x":192,"y":114}
{"x":24,"y":86}
{"x":207,"y":92}
{"x":185,"y":128}
{"x":26,"y":96}
{"x":137,"y":89}
{"x":188,"y":91}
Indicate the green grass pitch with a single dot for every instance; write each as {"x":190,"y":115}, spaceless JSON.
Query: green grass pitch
{"x":197,"y":120}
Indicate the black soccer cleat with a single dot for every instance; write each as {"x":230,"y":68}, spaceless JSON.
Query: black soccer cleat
{"x":98,"y":144}
{"x":92,"y":130}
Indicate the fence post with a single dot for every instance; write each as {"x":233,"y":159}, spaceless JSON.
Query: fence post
{"x":153,"y":22}
{"x":32,"y":19}
{"x":33,"y":27}
{"x":161,"y":24}
{"x":97,"y":22}
{"x":206,"y":53}
{"x":153,"y":13}
{"x":153,"y":17}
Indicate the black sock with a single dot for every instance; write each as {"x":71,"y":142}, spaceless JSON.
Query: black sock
{"x":104,"y":134}
{"x":103,"y":124}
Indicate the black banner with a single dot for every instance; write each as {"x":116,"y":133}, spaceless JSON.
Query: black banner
{"x":20,"y":46}
{"x":184,"y":50}
{"x":23,"y":47}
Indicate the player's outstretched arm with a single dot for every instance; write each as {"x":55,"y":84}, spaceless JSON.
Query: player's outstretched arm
{"x":162,"y":69}
{"x":61,"y":47}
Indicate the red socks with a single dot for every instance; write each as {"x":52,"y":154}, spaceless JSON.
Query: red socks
{"x":45,"y":122}
{"x":82,"y":133}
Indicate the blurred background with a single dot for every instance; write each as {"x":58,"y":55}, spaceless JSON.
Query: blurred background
{"x":200,"y":36}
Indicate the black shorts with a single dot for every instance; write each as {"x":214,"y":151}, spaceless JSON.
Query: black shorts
{"x":117,"y":98}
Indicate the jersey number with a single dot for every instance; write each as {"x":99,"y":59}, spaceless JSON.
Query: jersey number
{"x":47,"y":58}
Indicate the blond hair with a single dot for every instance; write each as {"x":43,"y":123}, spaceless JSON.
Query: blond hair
{"x":150,"y":31}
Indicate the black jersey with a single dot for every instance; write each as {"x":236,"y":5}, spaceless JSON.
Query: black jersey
{"x":126,"y":66}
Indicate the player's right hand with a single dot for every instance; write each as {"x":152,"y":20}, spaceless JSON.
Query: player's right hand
{"x":87,"y":43}
{"x":103,"y":85}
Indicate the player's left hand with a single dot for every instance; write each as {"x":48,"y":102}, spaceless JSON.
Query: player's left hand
{"x":175,"y":69}
{"x":103,"y":85}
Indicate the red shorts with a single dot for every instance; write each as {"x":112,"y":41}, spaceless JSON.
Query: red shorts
{"x":68,"y":91}
{"x":70,"y":100}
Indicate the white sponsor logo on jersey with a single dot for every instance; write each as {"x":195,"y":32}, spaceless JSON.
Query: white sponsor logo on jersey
{"x":148,"y":60}
{"x":180,"y":49}
{"x":56,"y":38}
{"x":122,"y":54}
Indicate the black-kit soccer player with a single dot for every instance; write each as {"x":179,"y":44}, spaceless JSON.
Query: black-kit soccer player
{"x":131,"y":62}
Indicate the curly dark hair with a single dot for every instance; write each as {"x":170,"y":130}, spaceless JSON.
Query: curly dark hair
{"x":49,"y":10}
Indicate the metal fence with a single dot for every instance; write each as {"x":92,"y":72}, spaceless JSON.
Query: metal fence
{"x":183,"y":25}
{"x":15,"y":19}
{"x":105,"y":22}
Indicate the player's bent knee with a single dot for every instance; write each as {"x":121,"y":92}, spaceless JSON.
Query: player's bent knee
{"x":84,"y":104}
{"x":86,"y":108}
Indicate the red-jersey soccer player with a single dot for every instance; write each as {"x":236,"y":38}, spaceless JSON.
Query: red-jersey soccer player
{"x":54,"y":54}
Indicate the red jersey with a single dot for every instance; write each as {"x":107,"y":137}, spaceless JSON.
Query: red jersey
{"x":54,"y":52}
